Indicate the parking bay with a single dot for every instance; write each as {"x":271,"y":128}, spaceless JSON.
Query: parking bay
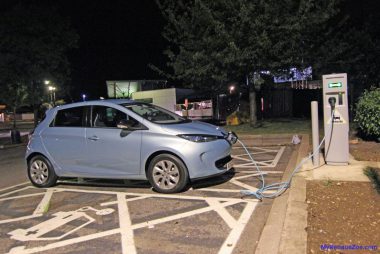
{"x":212,"y":216}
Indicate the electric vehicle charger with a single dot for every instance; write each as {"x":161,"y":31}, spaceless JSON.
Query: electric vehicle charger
{"x":281,"y":187}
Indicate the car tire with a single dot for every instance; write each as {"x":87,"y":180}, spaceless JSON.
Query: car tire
{"x":167,"y":174}
{"x":41,"y":172}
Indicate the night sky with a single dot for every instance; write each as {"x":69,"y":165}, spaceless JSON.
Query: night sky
{"x":118,"y":39}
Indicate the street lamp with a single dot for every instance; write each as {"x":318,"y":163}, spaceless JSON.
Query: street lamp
{"x":232,"y":88}
{"x":84,"y":97}
{"x":47,"y":82}
{"x":52,"y":94}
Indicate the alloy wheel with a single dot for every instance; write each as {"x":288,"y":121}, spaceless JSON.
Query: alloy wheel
{"x":39,"y":172}
{"x":166,"y":174}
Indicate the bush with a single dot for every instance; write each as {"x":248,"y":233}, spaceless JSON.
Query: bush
{"x":373,"y":175}
{"x":368,"y":113}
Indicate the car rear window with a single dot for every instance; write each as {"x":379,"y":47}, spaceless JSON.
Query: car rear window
{"x":71,"y":117}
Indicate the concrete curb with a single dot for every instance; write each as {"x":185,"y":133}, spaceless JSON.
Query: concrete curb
{"x":277,"y":235}
{"x":292,"y":226}
{"x":294,"y":235}
{"x":11,"y":146}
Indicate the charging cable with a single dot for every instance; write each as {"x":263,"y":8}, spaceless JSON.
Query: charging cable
{"x":281,"y":187}
{"x":331,"y":101}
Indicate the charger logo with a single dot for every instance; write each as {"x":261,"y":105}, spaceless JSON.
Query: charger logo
{"x":338,"y":118}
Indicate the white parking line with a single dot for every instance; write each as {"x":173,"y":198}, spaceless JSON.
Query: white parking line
{"x":218,"y":190}
{"x":44,"y":204}
{"x":234,"y":236}
{"x":253,"y":151}
{"x":265,"y":172}
{"x":127,"y":240}
{"x":20,"y":218}
{"x":64,"y":243}
{"x":181,"y":215}
{"x":153,"y":195}
{"x":22,"y":196}
{"x":128,"y":200}
{"x":247,"y":187}
{"x":126,"y":227}
{"x":14,"y":186}
{"x":278,"y":156}
{"x":221,"y":210}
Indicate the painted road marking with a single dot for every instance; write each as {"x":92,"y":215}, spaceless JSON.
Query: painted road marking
{"x":234,"y":236}
{"x":14,"y":186}
{"x":22,"y":196}
{"x":36,"y":232}
{"x":221,"y":210}
{"x":126,"y":227}
{"x":20,"y":218}
{"x":127,"y":241}
{"x":236,"y":182}
{"x":14,"y":191}
{"x":247,"y":163}
{"x":64,"y":243}
{"x":45,"y":202}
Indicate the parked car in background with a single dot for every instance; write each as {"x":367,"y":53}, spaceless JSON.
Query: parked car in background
{"x":124,"y":139}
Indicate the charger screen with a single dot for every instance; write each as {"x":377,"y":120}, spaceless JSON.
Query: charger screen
{"x":335,"y":85}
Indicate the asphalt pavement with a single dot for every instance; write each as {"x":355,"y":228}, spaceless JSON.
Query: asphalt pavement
{"x":97,"y":216}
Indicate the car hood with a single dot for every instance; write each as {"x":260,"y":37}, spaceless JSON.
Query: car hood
{"x":194,"y":127}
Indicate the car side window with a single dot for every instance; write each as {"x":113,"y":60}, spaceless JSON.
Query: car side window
{"x":70,"y":117}
{"x":108,"y":117}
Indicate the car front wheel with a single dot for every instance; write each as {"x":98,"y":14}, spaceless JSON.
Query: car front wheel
{"x":41,"y":172}
{"x":167,"y":174}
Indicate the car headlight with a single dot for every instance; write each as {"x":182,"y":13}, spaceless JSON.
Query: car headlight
{"x":198,"y":138}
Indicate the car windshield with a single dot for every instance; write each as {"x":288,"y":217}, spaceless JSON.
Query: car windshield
{"x":155,"y":114}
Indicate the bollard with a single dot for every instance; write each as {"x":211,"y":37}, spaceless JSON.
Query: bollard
{"x":15,"y":137}
{"x":315,"y":132}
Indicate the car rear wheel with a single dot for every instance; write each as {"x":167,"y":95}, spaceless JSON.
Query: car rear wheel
{"x":41,"y":172}
{"x":167,"y":174}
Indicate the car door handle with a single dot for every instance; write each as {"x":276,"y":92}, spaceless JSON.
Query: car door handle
{"x":93,"y":138}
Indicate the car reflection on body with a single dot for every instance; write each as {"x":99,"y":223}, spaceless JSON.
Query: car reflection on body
{"x":124,"y":139}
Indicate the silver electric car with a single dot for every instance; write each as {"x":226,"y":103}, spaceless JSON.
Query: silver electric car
{"x":124,"y":139}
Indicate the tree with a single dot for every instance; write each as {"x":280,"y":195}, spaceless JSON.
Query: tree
{"x":13,"y":96}
{"x":214,"y":42}
{"x":33,"y":47}
{"x":350,"y":43}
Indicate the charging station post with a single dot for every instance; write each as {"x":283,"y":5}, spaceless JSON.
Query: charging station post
{"x":336,"y":123}
{"x":315,"y":132}
{"x":335,"y":111}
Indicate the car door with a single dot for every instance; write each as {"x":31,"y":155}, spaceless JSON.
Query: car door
{"x":112,"y":151}
{"x":65,"y":140}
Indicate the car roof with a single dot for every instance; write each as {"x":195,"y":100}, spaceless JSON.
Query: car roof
{"x":97,"y":102}
{"x":118,"y":101}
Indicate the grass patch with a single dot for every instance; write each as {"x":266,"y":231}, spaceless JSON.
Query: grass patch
{"x":46,"y":208}
{"x":373,"y":175}
{"x":327,"y":182}
{"x":282,"y":126}
{"x":275,"y":126}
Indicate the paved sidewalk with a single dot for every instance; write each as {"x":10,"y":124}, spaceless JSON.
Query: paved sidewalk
{"x":351,"y":172}
{"x":293,"y":236}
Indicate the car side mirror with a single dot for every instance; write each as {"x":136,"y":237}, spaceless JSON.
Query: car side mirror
{"x":126,"y":124}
